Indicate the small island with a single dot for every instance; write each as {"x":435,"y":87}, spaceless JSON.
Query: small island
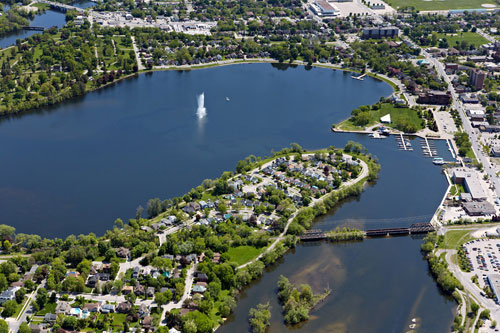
{"x":297,"y":302}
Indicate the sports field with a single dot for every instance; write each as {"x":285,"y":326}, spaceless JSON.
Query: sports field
{"x":440,"y":4}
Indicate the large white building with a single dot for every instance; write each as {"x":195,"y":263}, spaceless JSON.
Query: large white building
{"x":323,"y":8}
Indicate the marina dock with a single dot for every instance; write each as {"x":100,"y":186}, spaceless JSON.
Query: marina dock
{"x":429,"y":149}
{"x":403,"y":142}
{"x":361,"y":77}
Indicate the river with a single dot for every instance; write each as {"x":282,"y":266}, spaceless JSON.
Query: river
{"x":47,"y":19}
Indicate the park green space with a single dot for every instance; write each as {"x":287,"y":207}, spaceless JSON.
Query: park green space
{"x":472,"y":38}
{"x":243,"y":254}
{"x":399,"y":116}
{"x":454,"y":238}
{"x":439,"y":5}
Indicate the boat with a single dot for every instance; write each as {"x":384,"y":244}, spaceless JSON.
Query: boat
{"x":376,"y":135}
{"x":227,"y":99}
{"x":438,"y":161}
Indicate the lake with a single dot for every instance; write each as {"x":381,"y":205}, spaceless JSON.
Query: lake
{"x":77,"y":167}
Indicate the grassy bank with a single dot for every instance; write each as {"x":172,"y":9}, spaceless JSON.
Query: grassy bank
{"x":402,"y":118}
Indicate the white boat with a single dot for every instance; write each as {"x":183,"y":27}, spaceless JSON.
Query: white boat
{"x":227,"y":99}
{"x":438,"y":161}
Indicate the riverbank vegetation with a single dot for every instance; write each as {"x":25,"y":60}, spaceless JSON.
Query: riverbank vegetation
{"x":297,"y":302}
{"x":12,"y":20}
{"x":438,"y":266}
{"x":345,"y":234}
{"x":259,"y":318}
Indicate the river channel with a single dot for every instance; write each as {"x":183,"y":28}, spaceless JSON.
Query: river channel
{"x":47,"y":19}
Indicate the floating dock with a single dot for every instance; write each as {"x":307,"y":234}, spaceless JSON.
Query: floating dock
{"x":403,"y":142}
{"x":429,"y":149}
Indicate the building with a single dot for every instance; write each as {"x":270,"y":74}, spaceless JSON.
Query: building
{"x":495,"y":151}
{"x":323,"y":8}
{"x":479,"y":208}
{"x":380,"y":32}
{"x":9,"y":294}
{"x":475,"y":114}
{"x":434,"y":97}
{"x":471,"y":182}
{"x":477,"y":79}
{"x":63,"y":307}
{"x":494,"y":282}
{"x":451,"y":68}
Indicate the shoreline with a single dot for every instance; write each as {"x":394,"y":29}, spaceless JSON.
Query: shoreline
{"x":205,"y":66}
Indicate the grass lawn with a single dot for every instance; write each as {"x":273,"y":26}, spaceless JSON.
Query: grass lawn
{"x":453,"y":238}
{"x":398,"y":116}
{"x":48,"y":308}
{"x":439,"y":5}
{"x":243,"y":254}
{"x":457,"y":189}
{"x":472,"y":38}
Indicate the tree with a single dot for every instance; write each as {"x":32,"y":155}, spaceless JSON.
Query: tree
{"x":20,"y":295}
{"x":7,"y":245}
{"x":6,"y":231}
{"x":9,"y":308}
{"x":24,"y":328}
{"x":259,"y":318}
{"x":42,"y":297}
{"x":4,"y":327}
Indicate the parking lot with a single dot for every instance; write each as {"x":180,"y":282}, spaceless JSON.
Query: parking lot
{"x":445,"y":122}
{"x":483,"y":255}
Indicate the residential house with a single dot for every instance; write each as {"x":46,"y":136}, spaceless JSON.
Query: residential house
{"x":63,"y":307}
{"x":123,"y":252}
{"x":124,"y":307}
{"x":108,"y":308}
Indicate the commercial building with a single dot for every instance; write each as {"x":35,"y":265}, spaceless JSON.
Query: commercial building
{"x":495,"y":151}
{"x":471,"y":182}
{"x":434,"y":97}
{"x":476,"y":114}
{"x":494,"y":282}
{"x":479,"y":208}
{"x":380,"y":32}
{"x":477,"y":79}
{"x":323,"y":8}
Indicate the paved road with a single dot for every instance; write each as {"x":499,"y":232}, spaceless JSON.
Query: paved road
{"x":467,"y":126}
{"x":363,"y":174}
{"x":473,"y":290}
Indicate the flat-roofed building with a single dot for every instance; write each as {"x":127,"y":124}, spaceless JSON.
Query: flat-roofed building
{"x":380,"y":32}
{"x":476,"y":114}
{"x":479,"y":208}
{"x":323,"y":8}
{"x":494,"y":282}
{"x":471,"y":182}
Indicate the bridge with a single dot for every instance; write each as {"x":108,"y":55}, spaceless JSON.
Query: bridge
{"x":60,"y":6}
{"x":34,"y":28}
{"x":415,"y":228}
